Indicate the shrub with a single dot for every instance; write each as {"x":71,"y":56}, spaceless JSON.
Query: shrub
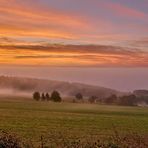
{"x":8,"y":140}
{"x":55,"y":139}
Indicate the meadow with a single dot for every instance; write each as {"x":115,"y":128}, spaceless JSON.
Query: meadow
{"x":31,"y":119}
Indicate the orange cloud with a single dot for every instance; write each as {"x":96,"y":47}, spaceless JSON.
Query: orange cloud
{"x":72,"y":55}
{"x":16,"y":20}
{"x":12,"y":31}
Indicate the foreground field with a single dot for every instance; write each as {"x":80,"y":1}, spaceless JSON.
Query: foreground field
{"x":32,"y":119}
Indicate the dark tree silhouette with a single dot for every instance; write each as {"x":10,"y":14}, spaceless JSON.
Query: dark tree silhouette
{"x":43,"y":97}
{"x":47,"y":97}
{"x":79,"y":96}
{"x":111,"y":99}
{"x":92,"y":99}
{"x":130,"y":100}
{"x":55,"y":96}
{"x":36,"y":96}
{"x":74,"y":101}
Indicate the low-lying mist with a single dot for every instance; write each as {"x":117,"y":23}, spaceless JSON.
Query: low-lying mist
{"x":12,"y":92}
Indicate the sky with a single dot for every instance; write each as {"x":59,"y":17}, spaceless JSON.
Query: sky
{"x":78,"y":34}
{"x":110,"y":33}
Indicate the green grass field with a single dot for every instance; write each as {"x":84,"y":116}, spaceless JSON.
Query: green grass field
{"x":31,"y":119}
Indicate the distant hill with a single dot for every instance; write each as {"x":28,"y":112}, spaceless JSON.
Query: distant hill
{"x":68,"y":89}
{"x":141,"y":93}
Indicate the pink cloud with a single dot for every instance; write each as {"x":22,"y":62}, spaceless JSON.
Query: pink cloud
{"x":126,"y":11}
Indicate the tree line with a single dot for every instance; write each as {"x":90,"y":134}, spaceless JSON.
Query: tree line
{"x":127,"y":100}
{"x":55,"y":96}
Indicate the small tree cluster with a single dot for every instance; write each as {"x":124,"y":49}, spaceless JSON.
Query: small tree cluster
{"x":79,"y":96}
{"x":45,"y":97}
{"x":127,"y":100}
{"x":55,"y":96}
{"x":92,"y":99}
{"x":111,"y":99}
{"x":130,"y":100}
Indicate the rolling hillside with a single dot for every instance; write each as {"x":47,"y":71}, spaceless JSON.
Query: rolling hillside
{"x":28,"y":85}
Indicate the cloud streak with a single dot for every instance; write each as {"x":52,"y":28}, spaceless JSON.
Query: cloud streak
{"x":126,"y":11}
{"x":27,"y":18}
{"x":21,"y":20}
{"x":73,"y":55}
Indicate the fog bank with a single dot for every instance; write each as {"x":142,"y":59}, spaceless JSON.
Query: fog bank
{"x":12,"y":92}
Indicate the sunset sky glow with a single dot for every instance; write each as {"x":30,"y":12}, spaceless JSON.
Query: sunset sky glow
{"x":75,"y":33}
